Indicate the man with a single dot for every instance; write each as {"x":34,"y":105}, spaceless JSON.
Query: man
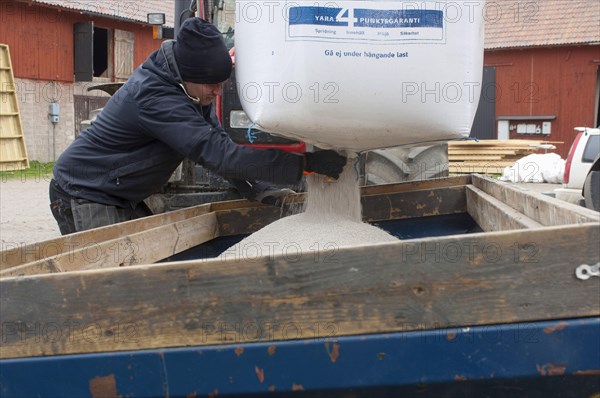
{"x":163,"y":114}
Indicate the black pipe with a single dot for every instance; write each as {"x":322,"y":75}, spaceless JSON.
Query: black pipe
{"x":182,"y":12}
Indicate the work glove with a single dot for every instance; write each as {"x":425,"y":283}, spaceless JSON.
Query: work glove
{"x":273,"y":196}
{"x":329,"y":163}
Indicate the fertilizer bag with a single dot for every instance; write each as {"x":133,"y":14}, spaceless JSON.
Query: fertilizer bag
{"x":360,"y":75}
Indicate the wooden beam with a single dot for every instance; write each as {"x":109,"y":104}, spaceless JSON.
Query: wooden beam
{"x":144,"y":247}
{"x":476,"y":158}
{"x":15,"y":253}
{"x":381,"y":202}
{"x":492,"y":215}
{"x":454,"y":181}
{"x":18,"y":254}
{"x":376,"y":207}
{"x":414,"y":204}
{"x":246,"y":220}
{"x":471,"y":151}
{"x":500,"y":143}
{"x":241,"y":217}
{"x":458,"y":168}
{"x":422,"y":284}
{"x":496,"y":164}
{"x":536,"y":206}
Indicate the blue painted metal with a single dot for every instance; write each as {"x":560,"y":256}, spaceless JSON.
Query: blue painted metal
{"x":559,"y":358}
{"x":423,"y":227}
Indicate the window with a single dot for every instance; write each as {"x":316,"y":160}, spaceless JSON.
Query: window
{"x":591,"y":149}
{"x":101,"y":51}
{"x":102,"y":54}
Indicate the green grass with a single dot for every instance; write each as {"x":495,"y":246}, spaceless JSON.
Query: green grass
{"x":37,"y":171}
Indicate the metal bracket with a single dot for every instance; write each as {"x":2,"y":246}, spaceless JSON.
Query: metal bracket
{"x":585,"y":272}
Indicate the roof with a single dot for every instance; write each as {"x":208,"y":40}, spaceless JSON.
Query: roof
{"x":132,"y":10}
{"x":509,"y":23}
{"x":533,"y":23}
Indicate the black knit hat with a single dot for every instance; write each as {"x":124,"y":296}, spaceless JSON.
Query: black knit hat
{"x":201,"y":54}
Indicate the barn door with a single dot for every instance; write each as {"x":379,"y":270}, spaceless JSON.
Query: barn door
{"x":124,"y":47}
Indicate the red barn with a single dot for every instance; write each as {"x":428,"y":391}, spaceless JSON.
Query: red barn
{"x":542,"y":70}
{"x":59,"y":48}
{"x":541,"y":75}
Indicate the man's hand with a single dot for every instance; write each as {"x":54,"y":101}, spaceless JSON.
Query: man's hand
{"x":329,"y":163}
{"x":275,"y":196}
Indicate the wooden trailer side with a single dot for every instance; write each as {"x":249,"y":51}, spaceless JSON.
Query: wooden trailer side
{"x":421,"y":284}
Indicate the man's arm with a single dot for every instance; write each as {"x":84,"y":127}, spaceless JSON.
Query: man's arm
{"x":180,"y":125}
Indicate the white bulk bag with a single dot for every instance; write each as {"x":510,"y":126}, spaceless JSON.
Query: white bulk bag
{"x":360,"y":75}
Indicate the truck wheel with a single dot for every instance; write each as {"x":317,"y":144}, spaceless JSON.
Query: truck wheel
{"x":384,"y":166}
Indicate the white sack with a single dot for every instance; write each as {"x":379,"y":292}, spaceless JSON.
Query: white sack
{"x":360,"y":74}
{"x":548,"y":168}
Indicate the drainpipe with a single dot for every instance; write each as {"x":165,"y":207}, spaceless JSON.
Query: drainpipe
{"x":181,"y":14}
{"x":54,"y":115}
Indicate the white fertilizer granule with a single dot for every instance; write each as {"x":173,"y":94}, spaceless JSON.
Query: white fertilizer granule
{"x":332,"y":219}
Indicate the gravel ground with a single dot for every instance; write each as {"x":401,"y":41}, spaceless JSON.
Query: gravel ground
{"x":25,"y":215}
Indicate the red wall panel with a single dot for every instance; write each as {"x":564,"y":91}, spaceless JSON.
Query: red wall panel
{"x":559,"y":81}
{"x":41,"y":39}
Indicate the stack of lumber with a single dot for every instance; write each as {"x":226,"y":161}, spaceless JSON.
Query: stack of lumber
{"x":491,"y":156}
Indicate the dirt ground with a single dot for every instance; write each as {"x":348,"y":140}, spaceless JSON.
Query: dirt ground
{"x":25,"y":215}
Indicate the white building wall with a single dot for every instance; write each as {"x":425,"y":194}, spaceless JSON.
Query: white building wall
{"x":45,"y":141}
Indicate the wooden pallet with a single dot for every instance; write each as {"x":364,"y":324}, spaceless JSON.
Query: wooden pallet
{"x":490,"y":156}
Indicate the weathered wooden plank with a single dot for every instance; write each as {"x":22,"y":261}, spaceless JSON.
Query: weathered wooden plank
{"x":235,"y":204}
{"x":144,"y":247}
{"x":483,"y":163}
{"x":500,"y":143}
{"x":414,"y":204}
{"x":388,"y":202}
{"x":454,"y":181}
{"x":14,"y":253}
{"x":538,"y":207}
{"x":492,"y":215}
{"x":488,"y":151}
{"x":476,"y":158}
{"x":433,"y":283}
{"x":377,"y":207}
{"x":246,"y":220}
{"x":459,"y":168}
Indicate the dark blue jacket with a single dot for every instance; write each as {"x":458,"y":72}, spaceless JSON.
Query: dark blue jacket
{"x":146,"y":129}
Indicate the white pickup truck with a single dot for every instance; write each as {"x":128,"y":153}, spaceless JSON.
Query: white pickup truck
{"x":579,"y":166}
